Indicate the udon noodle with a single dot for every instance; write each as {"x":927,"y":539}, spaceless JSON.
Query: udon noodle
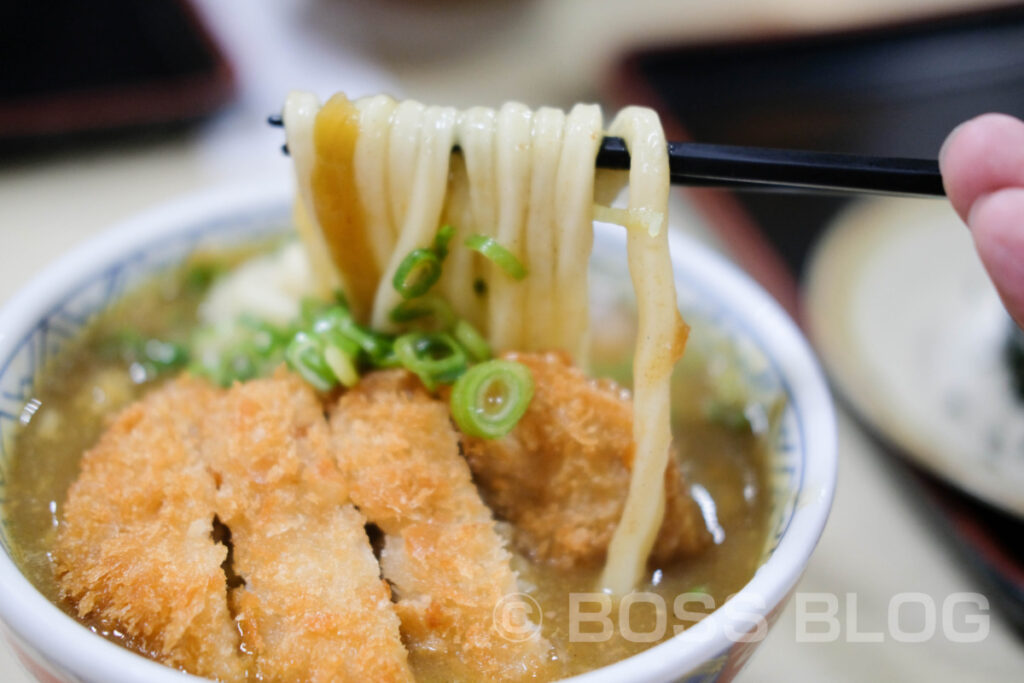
{"x":378,"y":177}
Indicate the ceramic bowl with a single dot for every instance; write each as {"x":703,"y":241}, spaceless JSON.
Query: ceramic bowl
{"x":42,"y":317}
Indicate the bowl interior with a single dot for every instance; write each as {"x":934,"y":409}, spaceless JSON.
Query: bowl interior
{"x":715,"y":298}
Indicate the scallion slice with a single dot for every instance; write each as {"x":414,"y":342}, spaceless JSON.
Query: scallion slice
{"x":310,"y":308}
{"x":417,"y":273}
{"x":264,"y":337}
{"x":165,"y":355}
{"x":388,"y":360}
{"x":432,"y":306}
{"x":501,"y":256}
{"x":329,"y":327}
{"x":341,"y":299}
{"x":442,"y":239}
{"x":241,"y":367}
{"x":376,"y":346}
{"x":342,"y":365}
{"x":305,"y":357}
{"x":474,"y":343}
{"x":489,"y":399}
{"x":436,"y":358}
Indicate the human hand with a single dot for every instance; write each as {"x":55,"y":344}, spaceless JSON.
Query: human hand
{"x":982,"y":163}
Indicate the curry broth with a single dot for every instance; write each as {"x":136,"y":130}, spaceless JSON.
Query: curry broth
{"x":89,"y":381}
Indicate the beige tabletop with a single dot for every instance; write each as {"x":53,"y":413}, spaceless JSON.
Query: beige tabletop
{"x":878,"y":544}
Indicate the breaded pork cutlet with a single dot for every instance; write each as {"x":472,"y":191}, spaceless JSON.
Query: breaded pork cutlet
{"x":562,"y":474}
{"x":449,"y":568}
{"x":134,"y":550}
{"x":313,"y":607}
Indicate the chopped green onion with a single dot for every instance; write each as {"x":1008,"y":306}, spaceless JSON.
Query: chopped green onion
{"x":388,"y":360}
{"x":200,"y":369}
{"x":442,"y":239}
{"x":265,"y":338}
{"x":240,"y":367}
{"x":376,"y":346}
{"x":305,"y":357}
{"x":165,"y":355}
{"x":474,"y":343}
{"x":238,"y":351}
{"x":435,"y":358}
{"x":145,"y":357}
{"x":501,"y":256}
{"x":336,"y":338}
{"x":329,"y":326}
{"x":232,"y":365}
{"x":201,"y":275}
{"x":414,"y":309}
{"x":490,"y":398}
{"x":341,"y":365}
{"x":417,"y":273}
{"x":310,"y":308}
{"x":732,"y":416}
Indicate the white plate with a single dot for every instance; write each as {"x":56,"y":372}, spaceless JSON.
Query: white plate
{"x":912,"y":332}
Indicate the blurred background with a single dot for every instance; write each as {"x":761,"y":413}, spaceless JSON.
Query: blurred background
{"x":111,"y":106}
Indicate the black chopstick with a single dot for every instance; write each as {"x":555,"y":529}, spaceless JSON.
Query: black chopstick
{"x":699,"y":164}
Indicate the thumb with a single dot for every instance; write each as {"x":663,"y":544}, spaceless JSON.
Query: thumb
{"x":983,"y":169}
{"x":997,"y":224}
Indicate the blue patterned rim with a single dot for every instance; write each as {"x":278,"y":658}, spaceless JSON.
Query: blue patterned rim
{"x":36,"y":324}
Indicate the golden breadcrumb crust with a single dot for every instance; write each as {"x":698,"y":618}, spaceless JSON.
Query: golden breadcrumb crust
{"x":442,"y":553}
{"x":136,"y":549}
{"x":313,"y":607}
{"x":562,"y":474}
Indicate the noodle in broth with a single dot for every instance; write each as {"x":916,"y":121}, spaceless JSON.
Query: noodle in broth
{"x":527,"y":179}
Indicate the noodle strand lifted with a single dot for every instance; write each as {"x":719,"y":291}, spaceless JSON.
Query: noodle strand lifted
{"x":661,"y":337}
{"x":527,"y":180}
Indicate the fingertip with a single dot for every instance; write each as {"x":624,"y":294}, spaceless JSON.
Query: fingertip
{"x":997,"y":224}
{"x":944,"y":149}
{"x":980,"y":156}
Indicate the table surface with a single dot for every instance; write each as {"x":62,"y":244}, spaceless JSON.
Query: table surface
{"x":878,"y":544}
